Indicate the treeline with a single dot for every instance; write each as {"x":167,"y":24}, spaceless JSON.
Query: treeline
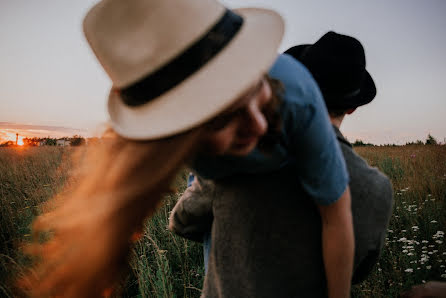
{"x":430,"y":140}
{"x":75,"y":140}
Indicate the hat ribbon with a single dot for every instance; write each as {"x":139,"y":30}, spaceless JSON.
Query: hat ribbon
{"x":185,"y":64}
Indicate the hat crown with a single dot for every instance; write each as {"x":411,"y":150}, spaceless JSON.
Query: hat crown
{"x":132,"y":39}
{"x":337,"y":62}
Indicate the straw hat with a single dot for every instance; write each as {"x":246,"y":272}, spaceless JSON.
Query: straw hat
{"x":175,"y":64}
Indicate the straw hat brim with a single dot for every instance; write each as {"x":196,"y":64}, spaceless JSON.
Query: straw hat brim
{"x":210,"y":90}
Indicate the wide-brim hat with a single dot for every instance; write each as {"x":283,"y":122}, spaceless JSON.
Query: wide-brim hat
{"x":337,"y":62}
{"x":175,"y":64}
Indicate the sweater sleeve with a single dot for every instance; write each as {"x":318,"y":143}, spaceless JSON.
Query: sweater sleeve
{"x":192,"y":215}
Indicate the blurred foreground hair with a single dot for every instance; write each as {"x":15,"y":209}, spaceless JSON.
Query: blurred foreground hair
{"x":89,"y":227}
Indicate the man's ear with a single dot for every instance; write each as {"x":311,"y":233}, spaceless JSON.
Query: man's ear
{"x":349,"y":111}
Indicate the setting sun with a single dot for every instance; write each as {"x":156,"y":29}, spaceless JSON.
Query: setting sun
{"x":20,"y":142}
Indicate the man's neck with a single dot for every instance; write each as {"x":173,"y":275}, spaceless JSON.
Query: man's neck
{"x":337,"y":121}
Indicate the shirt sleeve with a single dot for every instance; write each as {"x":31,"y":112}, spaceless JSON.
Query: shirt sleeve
{"x":309,"y":134}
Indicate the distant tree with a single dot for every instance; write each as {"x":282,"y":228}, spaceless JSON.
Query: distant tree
{"x":7,"y":144}
{"x":50,"y":141}
{"x":77,"y":140}
{"x":360,"y":143}
{"x":417,"y":142}
{"x":431,"y":140}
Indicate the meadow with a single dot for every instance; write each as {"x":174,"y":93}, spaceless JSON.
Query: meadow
{"x":165,"y":265}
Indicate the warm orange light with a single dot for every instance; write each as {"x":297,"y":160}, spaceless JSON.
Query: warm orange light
{"x":20,"y":142}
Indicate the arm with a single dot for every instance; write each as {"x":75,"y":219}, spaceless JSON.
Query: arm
{"x":338,"y":245}
{"x":192,"y":215}
{"x":321,"y":168}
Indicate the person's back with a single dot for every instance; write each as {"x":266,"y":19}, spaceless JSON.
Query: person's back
{"x":372,"y":200}
{"x":266,"y":239}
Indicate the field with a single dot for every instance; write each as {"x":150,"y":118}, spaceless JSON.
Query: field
{"x":165,"y":265}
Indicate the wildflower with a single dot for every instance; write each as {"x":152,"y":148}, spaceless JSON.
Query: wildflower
{"x":404,"y":251}
{"x":424,"y":241}
{"x":439,"y":241}
{"x":390,"y":231}
{"x":441,"y":266}
{"x":428,"y":267}
{"x":404,"y":231}
{"x":404,"y":239}
{"x":408,"y":270}
{"x":443,"y":276}
{"x":410,"y":254}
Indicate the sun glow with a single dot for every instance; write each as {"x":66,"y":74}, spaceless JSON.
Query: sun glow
{"x":20,"y":142}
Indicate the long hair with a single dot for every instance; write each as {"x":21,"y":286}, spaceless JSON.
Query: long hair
{"x":83,"y":240}
{"x":272,"y":115}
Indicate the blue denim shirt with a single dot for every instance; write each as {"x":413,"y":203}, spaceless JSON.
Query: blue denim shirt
{"x":308,"y":140}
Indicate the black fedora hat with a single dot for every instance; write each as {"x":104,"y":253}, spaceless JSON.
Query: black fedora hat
{"x":337,"y":63}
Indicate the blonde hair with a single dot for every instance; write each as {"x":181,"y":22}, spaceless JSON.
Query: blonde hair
{"x":91,"y":224}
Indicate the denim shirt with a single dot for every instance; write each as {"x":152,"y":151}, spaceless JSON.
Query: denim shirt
{"x":308,"y":141}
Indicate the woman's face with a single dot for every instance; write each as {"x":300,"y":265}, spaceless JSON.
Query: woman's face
{"x":237,"y":130}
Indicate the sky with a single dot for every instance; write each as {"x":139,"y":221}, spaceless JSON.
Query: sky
{"x":51,"y":83}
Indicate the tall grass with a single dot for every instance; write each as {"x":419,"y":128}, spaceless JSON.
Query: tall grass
{"x":415,"y":250}
{"x":165,"y":265}
{"x":28,"y":177}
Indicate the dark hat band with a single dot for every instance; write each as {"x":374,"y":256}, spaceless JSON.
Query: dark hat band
{"x":185,"y":64}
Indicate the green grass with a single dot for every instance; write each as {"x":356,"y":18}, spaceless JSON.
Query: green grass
{"x":165,"y":265}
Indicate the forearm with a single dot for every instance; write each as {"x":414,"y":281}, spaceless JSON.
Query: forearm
{"x":338,"y":246}
{"x":338,"y":253}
